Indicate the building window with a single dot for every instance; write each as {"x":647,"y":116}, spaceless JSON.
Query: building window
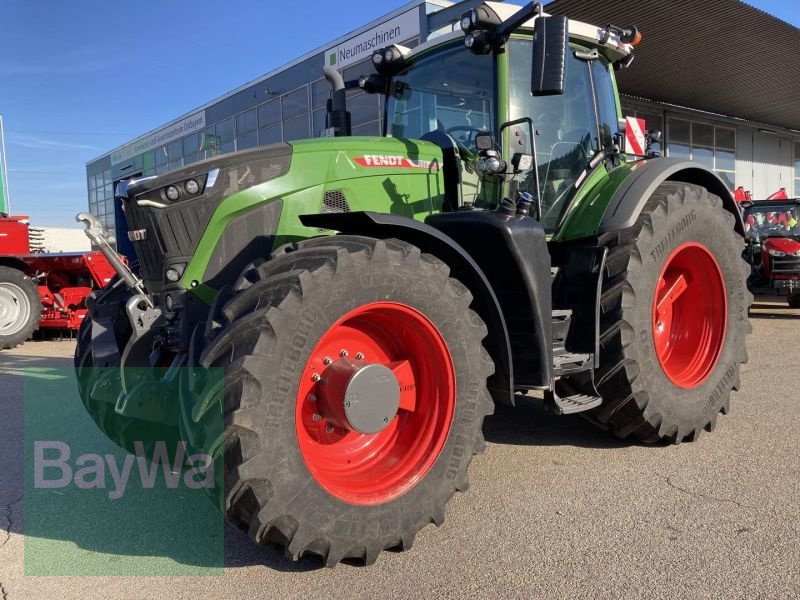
{"x":270,"y":135}
{"x":269,"y":114}
{"x":246,"y":122}
{"x":797,"y":169}
{"x":295,"y":103}
{"x":101,"y":197}
{"x":653,"y":121}
{"x":713,"y":146}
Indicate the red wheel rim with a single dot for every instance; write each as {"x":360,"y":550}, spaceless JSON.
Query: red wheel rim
{"x":690,"y":314}
{"x":368,"y":469}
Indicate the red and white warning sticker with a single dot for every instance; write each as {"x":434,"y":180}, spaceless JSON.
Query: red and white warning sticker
{"x":634,"y":136}
{"x":391,"y":160}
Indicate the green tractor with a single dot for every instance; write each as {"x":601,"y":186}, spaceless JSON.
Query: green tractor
{"x":371,"y":299}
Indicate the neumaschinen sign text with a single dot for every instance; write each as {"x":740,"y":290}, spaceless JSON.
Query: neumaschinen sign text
{"x":398,"y":29}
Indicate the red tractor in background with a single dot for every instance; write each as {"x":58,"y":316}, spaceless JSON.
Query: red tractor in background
{"x":772,"y":229}
{"x":742,"y":195}
{"x":46,"y":291}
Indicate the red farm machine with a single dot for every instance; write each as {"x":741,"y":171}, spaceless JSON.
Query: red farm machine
{"x":42,"y":291}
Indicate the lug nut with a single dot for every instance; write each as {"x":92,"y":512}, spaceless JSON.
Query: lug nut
{"x":360,"y":356}
{"x":312,"y":398}
{"x":317,"y":417}
{"x":343,"y":353}
{"x":315,"y":377}
{"x":329,"y":429}
{"x":327,"y":360}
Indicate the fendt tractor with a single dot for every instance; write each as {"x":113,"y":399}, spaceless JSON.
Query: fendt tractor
{"x":371,"y":299}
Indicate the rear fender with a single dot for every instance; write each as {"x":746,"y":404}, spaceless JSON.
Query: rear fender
{"x":628,"y":202}
{"x":12,"y":262}
{"x":462,"y":266}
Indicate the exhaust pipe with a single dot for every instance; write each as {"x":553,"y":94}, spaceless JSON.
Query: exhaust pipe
{"x":337,"y":118}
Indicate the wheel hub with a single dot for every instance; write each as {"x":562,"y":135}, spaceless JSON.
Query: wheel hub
{"x":689,"y":315}
{"x":375,"y":403}
{"x":14,"y":311}
{"x":360,"y":397}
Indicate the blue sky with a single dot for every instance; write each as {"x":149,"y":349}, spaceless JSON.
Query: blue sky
{"x":79,"y":78}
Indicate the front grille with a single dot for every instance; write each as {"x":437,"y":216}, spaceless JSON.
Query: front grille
{"x":174,"y":231}
{"x":785,"y":265}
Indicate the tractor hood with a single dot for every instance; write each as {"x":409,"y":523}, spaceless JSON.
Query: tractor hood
{"x":197,"y":220}
{"x":790,"y":246}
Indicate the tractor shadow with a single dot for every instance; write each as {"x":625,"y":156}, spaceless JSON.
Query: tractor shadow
{"x":529,"y":424}
{"x":172,"y":525}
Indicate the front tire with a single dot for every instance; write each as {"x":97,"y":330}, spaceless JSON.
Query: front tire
{"x":123,"y":430}
{"x":20,"y":308}
{"x":297,"y":471}
{"x":673,"y":318}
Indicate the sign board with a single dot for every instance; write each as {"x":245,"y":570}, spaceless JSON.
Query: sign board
{"x":168,"y":134}
{"x":635,"y":142}
{"x":401,"y":28}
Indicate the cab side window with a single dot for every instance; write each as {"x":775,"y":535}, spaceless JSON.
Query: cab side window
{"x":565,"y":127}
{"x":606,"y":99}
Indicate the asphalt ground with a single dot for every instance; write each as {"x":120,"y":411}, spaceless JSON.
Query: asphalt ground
{"x":557,"y":509}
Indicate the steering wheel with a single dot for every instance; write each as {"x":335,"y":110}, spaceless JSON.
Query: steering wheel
{"x":471,"y":133}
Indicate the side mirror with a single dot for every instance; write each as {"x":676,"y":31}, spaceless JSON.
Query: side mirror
{"x":550,"y":45}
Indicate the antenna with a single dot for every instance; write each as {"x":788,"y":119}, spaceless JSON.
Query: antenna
{"x":5,"y":195}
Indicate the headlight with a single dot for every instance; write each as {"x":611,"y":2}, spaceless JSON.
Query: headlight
{"x":192,"y":186}
{"x":172,"y":193}
{"x":776,"y":253}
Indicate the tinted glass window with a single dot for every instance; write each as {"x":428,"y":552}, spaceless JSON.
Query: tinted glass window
{"x":191,"y":144}
{"x":269,"y":113}
{"x":161,"y":156}
{"x":249,"y":140}
{"x":565,"y":129}
{"x":296,"y":129}
{"x":175,"y":150}
{"x":452,"y":91}
{"x":606,"y":102}
{"x":679,"y":131}
{"x":269,"y":135}
{"x":224,"y":131}
{"x":320,"y":92}
{"x":295,"y":103}
{"x":246,"y":122}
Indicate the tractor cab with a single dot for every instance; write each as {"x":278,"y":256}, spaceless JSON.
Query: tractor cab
{"x":508,"y":120}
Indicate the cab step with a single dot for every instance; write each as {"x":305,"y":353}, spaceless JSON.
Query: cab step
{"x":571,"y":404}
{"x":568,"y":363}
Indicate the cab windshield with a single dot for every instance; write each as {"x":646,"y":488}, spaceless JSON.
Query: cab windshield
{"x":774,"y":220}
{"x":449,"y":91}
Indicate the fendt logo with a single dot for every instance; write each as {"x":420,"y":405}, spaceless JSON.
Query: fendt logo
{"x":400,"y":162}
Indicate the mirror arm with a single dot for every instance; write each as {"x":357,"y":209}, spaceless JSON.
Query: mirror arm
{"x":507,"y":27}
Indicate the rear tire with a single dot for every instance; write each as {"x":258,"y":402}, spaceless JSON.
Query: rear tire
{"x":655,"y":386}
{"x":794,"y":300}
{"x":20,"y":307}
{"x":282,"y":473}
